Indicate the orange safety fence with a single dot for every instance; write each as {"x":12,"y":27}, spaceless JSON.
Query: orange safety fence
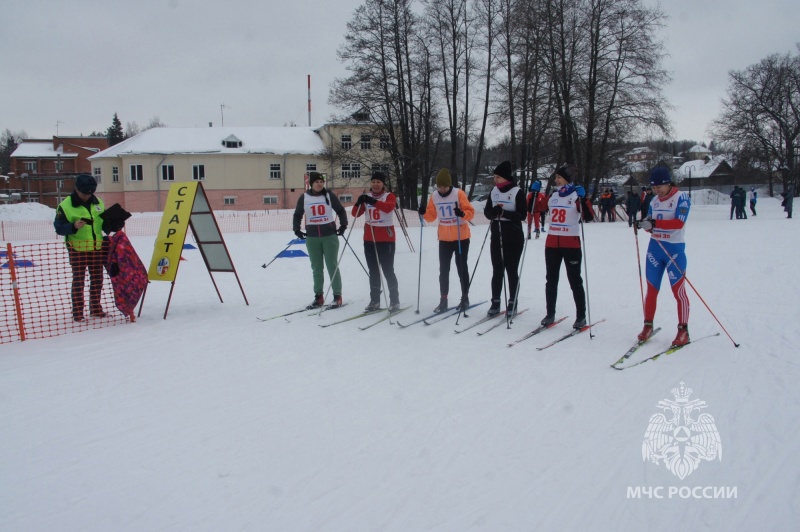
{"x":36,"y":292}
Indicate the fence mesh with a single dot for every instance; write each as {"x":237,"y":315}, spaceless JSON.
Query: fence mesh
{"x":35,"y":294}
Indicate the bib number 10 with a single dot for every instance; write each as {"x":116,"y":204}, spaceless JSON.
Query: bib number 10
{"x":318,"y":210}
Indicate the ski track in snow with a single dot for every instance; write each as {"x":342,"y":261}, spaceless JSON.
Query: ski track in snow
{"x":212,"y":420}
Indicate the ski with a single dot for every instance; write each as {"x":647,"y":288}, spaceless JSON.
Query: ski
{"x":570,"y":335}
{"x":384,"y":318}
{"x":634,"y":347}
{"x":324,"y":308}
{"x":351,"y":318}
{"x":498,"y":324}
{"x":480,"y":321}
{"x":668,"y":351}
{"x":423,"y":319}
{"x":304,"y":309}
{"x":536,"y":331}
{"x":448,"y":313}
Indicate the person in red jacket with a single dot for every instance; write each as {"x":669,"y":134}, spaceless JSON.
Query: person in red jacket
{"x":537,"y":206}
{"x":379,"y":240}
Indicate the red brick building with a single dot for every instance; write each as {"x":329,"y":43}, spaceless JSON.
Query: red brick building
{"x":44,"y":170}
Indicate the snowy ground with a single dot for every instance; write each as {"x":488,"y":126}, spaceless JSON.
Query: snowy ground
{"x":213,"y":420}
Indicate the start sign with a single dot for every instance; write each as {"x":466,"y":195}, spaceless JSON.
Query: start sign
{"x":172,"y":232}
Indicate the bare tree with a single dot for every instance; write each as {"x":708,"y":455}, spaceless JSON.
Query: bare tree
{"x":763,"y":108}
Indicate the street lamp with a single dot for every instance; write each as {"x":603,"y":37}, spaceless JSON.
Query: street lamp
{"x":690,"y":183}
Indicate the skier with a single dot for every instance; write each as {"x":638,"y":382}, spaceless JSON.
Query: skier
{"x":537,"y":206}
{"x":753,"y":200}
{"x":454,"y":211}
{"x":665,"y":221}
{"x":564,"y":244}
{"x":78,"y":221}
{"x":319,"y":206}
{"x":505,"y":210}
{"x":379,"y":240}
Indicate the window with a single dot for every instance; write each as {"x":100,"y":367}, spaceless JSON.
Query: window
{"x":167,"y":172}
{"x":275,"y":170}
{"x":58,"y":165}
{"x":384,"y":142}
{"x":136,"y":172}
{"x":98,"y":175}
{"x":351,"y":170}
{"x":270,"y":200}
{"x":311,"y":167}
{"x":115,"y":174}
{"x":30,"y":166}
{"x":347,"y":142}
{"x":346,"y":198}
{"x":229,"y":200}
{"x":199,"y":172}
{"x":366,"y":141}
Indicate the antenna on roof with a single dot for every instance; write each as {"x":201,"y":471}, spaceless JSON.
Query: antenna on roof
{"x":222,"y":114}
{"x":57,"y":123}
{"x":309,"y":100}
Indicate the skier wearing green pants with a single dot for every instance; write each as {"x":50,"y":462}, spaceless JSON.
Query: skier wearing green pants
{"x":320,"y":207}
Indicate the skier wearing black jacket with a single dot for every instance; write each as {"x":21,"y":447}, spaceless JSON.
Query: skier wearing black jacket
{"x":506,"y":209}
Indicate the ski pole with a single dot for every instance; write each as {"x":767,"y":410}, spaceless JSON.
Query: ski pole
{"x":402,"y":220}
{"x":639,"y":263}
{"x":419,"y":273}
{"x":695,"y":290}
{"x":356,"y":256}
{"x":279,"y":254}
{"x":586,"y":275}
{"x":476,"y":264}
{"x":338,"y":262}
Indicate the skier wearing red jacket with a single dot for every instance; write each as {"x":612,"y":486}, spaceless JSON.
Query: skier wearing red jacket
{"x":537,"y":206}
{"x":379,"y":240}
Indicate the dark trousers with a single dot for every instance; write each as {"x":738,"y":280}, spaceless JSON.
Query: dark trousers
{"x":446,"y":251}
{"x":753,"y":207}
{"x":572,"y":258}
{"x":384,"y":256}
{"x":80,"y":262}
{"x":512,"y":243}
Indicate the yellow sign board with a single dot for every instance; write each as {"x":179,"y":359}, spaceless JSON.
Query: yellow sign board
{"x":172,"y":232}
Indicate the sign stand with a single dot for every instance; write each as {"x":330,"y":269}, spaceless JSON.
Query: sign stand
{"x":187,"y":206}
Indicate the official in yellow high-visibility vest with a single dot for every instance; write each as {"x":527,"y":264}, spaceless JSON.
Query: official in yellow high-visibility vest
{"x":78,"y":221}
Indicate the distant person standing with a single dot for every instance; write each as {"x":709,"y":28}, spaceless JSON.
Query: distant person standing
{"x":537,"y":206}
{"x":505,"y":210}
{"x":78,"y":221}
{"x":320,"y":208}
{"x":454,"y":211}
{"x":563,"y":244}
{"x":788,"y":200}
{"x":379,"y":240}
{"x":632,"y":207}
{"x":665,"y":221}
{"x":753,"y":200}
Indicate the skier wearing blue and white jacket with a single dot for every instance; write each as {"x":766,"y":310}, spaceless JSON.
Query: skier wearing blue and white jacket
{"x":666,"y":218}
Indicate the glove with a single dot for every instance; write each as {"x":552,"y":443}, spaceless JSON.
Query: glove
{"x":366,"y":198}
{"x":580,"y":191}
{"x":458,"y":212}
{"x":645,"y":225}
{"x":299,"y":234}
{"x":342,"y":229}
{"x":422,"y":210}
{"x":497,"y":211}
{"x":360,"y":201}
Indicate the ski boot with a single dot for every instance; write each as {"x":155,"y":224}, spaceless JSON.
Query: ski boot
{"x":319,"y":300}
{"x":682,"y":337}
{"x":464,"y":304}
{"x":548,"y":320}
{"x":494,"y":310}
{"x":337,"y":302}
{"x":647,"y":331}
{"x":580,"y":323}
{"x":442,"y":306}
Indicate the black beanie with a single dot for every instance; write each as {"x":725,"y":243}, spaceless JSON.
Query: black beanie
{"x":85,"y":184}
{"x":504,"y":170}
{"x":567,"y":172}
{"x":380,"y":176}
{"x":315,"y":176}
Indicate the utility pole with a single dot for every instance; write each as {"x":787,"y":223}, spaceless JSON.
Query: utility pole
{"x":222,"y":113}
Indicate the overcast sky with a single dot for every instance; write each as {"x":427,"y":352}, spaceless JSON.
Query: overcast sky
{"x":77,"y":63}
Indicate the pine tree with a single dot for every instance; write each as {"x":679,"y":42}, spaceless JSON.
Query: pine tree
{"x":114,"y":133}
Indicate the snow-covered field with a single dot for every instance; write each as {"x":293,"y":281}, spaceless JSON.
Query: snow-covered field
{"x":213,"y":420}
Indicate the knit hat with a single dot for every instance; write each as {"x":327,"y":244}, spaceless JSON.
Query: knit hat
{"x":504,"y":170}
{"x":567,"y":172}
{"x":85,"y":184}
{"x":536,"y":186}
{"x":315,"y":176}
{"x":660,"y":176}
{"x":443,"y":178}
{"x":380,"y":176}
